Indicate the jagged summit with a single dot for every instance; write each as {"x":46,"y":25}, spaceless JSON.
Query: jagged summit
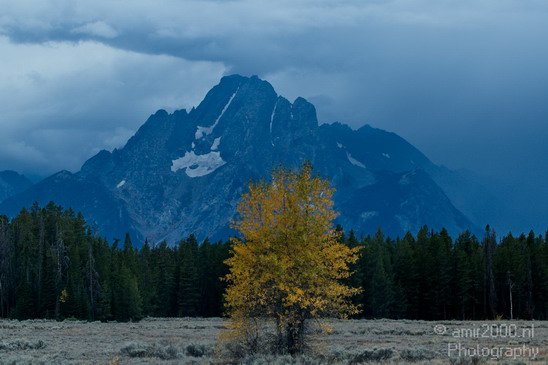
{"x":184,"y":172}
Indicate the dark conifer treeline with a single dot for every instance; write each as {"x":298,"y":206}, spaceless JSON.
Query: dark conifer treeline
{"x":52,"y":266}
{"x":432,"y":277}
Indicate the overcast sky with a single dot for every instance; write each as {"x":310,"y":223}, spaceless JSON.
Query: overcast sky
{"x":466,"y":81}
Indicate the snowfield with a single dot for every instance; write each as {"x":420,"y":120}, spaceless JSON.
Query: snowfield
{"x":198,"y":165}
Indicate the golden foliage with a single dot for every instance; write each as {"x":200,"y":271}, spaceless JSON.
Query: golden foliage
{"x":64,"y":296}
{"x":290,"y":263}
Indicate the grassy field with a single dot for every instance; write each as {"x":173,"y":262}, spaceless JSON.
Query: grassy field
{"x":195,"y":341}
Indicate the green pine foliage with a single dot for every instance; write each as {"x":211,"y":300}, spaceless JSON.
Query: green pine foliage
{"x":431,"y":277}
{"x":52,"y":265}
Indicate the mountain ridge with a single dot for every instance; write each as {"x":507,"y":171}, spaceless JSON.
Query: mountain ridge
{"x":12,"y":183}
{"x":184,"y":172}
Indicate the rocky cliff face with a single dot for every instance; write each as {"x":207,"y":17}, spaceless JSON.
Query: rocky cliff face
{"x":184,"y":172}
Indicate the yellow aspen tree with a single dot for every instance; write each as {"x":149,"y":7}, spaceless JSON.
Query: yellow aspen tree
{"x":288,"y":265}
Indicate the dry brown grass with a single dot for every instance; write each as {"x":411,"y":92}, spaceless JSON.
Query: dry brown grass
{"x":193,"y":341}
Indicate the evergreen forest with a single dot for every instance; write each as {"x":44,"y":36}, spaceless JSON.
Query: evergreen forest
{"x":53,"y":265}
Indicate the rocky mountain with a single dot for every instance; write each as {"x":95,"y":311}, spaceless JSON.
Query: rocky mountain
{"x":12,"y":183}
{"x":184,"y":172}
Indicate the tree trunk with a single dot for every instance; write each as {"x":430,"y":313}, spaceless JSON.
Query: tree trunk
{"x":510,"y":286}
{"x":529,"y":307}
{"x":280,"y":340}
{"x":295,"y":337}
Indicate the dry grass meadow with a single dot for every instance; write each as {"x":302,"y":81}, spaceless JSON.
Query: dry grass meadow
{"x":195,"y":341}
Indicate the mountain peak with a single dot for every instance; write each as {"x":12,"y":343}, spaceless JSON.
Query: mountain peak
{"x":184,"y":173}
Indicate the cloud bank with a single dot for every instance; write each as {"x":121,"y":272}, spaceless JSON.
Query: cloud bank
{"x":465,"y":81}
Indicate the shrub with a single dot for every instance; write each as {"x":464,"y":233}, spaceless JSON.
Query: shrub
{"x":195,"y":350}
{"x":246,"y":338}
{"x":418,"y":354}
{"x":167,"y":352}
{"x":282,"y":360}
{"x":134,"y":350}
{"x":467,"y":360}
{"x":372,"y":355}
{"x":16,"y":345}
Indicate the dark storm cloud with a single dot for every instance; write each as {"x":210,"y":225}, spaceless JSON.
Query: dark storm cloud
{"x":63,"y":102}
{"x":466,"y":81}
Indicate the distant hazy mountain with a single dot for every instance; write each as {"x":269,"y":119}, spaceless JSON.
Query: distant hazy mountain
{"x":12,"y":183}
{"x":184,"y":172}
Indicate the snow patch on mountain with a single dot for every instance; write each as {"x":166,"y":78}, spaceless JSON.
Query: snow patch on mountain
{"x":216,"y":143}
{"x":272,"y":121}
{"x":205,"y":131}
{"x":354,"y":162}
{"x":406,"y":178}
{"x":369,"y":214}
{"x":351,"y":159}
{"x":272,"y":116}
{"x":198,"y":165}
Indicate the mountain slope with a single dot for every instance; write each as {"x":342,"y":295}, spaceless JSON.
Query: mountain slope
{"x":100,"y":207}
{"x":401,"y":202}
{"x":12,"y":183}
{"x":184,"y":172}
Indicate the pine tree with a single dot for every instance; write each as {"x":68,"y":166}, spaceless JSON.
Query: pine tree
{"x":103,"y":259}
{"x":146,"y":284}
{"x":529,"y":249}
{"x":490,"y":300}
{"x":380,"y":292}
{"x":213,"y":269}
{"x":426,"y":271}
{"x":126,"y":299}
{"x":444,"y":273}
{"x":188,"y":295}
{"x":164,"y":281}
{"x":25,"y":258}
{"x":467,"y":265}
{"x":541,"y":280}
{"x":62,"y":262}
{"x":405,"y":275}
{"x":7,"y":268}
{"x":92,"y":280}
